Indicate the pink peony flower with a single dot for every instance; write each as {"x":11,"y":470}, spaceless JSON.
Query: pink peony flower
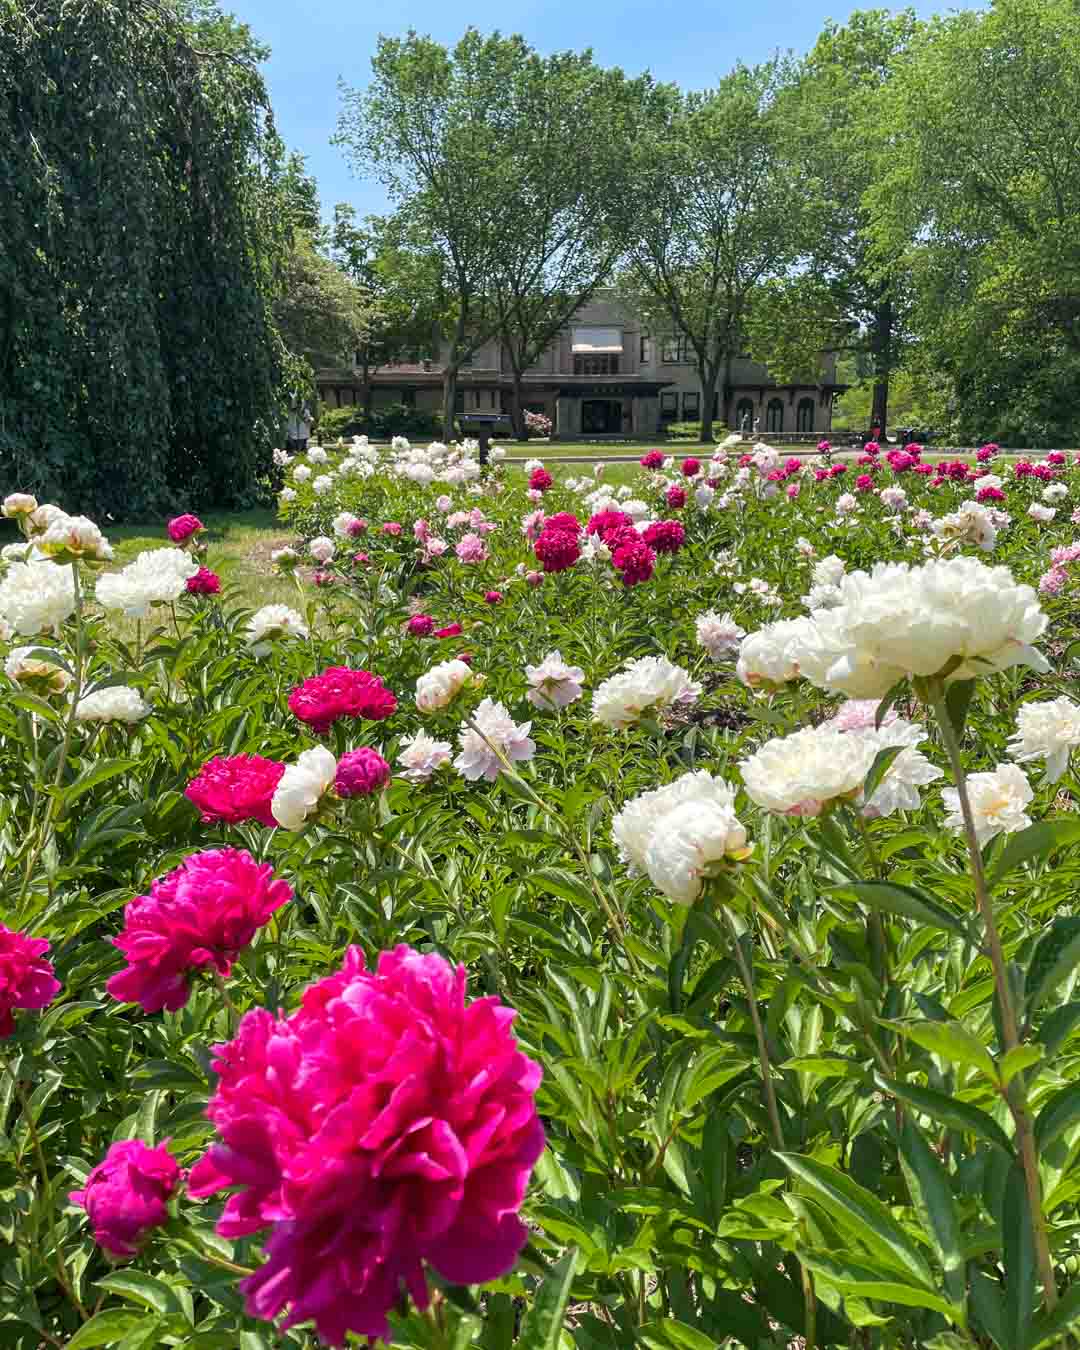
{"x":1054,"y":581}
{"x":665,"y":536}
{"x":653,"y":459}
{"x":557,"y":549}
{"x":384,"y":1125}
{"x":204,"y":582}
{"x":201,"y":915}
{"x":563,"y":520}
{"x":361,"y":559}
{"x":392,"y":528}
{"x":471,"y":548}
{"x":357,"y":527}
{"x":27,"y":981}
{"x":872,"y":448}
{"x":421,"y":529}
{"x":493,"y":597}
{"x":451,"y":630}
{"x":675,"y":497}
{"x":824,"y":447}
{"x":235,"y":788}
{"x":635,"y":560}
{"x":534,"y":579}
{"x":988,"y":451}
{"x":535,"y":495}
{"x":690,"y":467}
{"x":606,"y":521}
{"x":540,"y":480}
{"x":183,"y":527}
{"x":793,"y":490}
{"x":360,"y":773}
{"x":420,"y":625}
{"x":323,"y":578}
{"x":341,"y":692}
{"x":864,"y":483}
{"x":990,"y":494}
{"x":126,"y":1195}
{"x":444,"y":503}
{"x":1056,"y":457}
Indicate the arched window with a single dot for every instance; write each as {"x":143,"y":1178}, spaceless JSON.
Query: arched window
{"x":744,"y":415}
{"x":806,"y":415}
{"x":774,"y":420}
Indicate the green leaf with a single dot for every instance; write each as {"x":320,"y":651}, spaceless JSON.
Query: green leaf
{"x":1049,"y":1326}
{"x":670,"y":1334}
{"x":913,"y":904}
{"x":145,"y":1289}
{"x":1037,"y":841}
{"x":860,"y":1213}
{"x":106,"y":1328}
{"x":1061,"y":1111}
{"x":542,"y":1327}
{"x":877,"y":1282}
{"x":100,"y":772}
{"x":824,"y":1066}
{"x":1056,"y":1028}
{"x":1019,"y":1258}
{"x":1020,"y":1057}
{"x":949,"y":1111}
{"x":1055,"y":956}
{"x":928,"y":1183}
{"x":879,"y":769}
{"x":952,"y":1041}
{"x":958,"y":701}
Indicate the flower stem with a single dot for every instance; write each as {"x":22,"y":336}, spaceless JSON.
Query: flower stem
{"x":759,"y":1033}
{"x":1014,"y":1094}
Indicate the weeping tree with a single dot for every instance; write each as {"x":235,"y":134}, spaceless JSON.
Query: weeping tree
{"x":143,"y":240}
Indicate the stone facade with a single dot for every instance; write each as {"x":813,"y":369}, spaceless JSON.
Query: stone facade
{"x":604,"y":376}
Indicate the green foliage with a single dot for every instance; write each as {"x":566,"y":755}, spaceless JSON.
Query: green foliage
{"x":142,"y":237}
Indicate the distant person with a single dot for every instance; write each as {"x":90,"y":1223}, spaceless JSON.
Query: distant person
{"x":299,"y":430}
{"x":745,"y":423}
{"x":757,"y":425}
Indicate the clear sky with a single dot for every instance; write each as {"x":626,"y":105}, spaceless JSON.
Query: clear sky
{"x":314,"y":42}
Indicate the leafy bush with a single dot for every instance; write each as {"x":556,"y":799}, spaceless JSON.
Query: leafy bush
{"x":537,"y":424}
{"x":805,"y":1020}
{"x":691,"y":431}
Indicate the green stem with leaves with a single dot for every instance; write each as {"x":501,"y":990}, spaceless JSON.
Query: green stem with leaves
{"x":934,"y":692}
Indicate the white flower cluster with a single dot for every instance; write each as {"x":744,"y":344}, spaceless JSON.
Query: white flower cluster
{"x":438,"y":687}
{"x":271,"y":624}
{"x":997,"y":803}
{"x":302,"y":787}
{"x":158,"y":576}
{"x":1048,"y":730}
{"x":36,"y":597}
{"x":114,"y":703}
{"x":719,"y":634}
{"x":421,"y":754}
{"x":970,"y":524}
{"x":681,"y":833}
{"x":650,"y":684}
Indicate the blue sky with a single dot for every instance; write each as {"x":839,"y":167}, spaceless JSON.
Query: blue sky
{"x":314,"y":42}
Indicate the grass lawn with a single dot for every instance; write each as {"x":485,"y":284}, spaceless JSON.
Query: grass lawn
{"x":560,"y":449}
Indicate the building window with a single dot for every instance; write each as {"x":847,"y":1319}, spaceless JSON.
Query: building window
{"x":408,"y":398}
{"x":691,"y":406}
{"x":805,"y":415}
{"x":774,"y":418}
{"x":676,"y":351}
{"x":744,"y":415}
{"x":645,"y":351}
{"x":459,"y":400}
{"x":669,"y":406}
{"x":596,"y":365}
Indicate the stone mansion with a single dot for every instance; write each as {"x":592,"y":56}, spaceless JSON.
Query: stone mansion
{"x":604,"y":375}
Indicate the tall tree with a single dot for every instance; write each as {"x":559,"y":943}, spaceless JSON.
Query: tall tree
{"x":721,"y":213}
{"x":849,"y":297}
{"x":982,"y":190}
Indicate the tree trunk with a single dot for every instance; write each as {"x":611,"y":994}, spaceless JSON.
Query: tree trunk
{"x":709,"y":377}
{"x":728,"y":391}
{"x":449,"y":398}
{"x":518,"y":412}
{"x":882,"y":349}
{"x":368,"y":396}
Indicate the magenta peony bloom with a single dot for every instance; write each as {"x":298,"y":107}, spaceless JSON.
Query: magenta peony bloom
{"x":126,"y":1195}
{"x":493,"y":597}
{"x":792,"y":466}
{"x":26,"y":981}
{"x":990,"y":494}
{"x":341,"y":692}
{"x":384,"y":1125}
{"x":635,"y":560}
{"x":675,"y":497}
{"x":451,"y":630}
{"x":392,"y":528}
{"x":690,"y":467}
{"x":183,"y":527}
{"x":606,"y":521}
{"x":323,"y":578}
{"x":988,"y":451}
{"x":665,"y":536}
{"x":235,"y":788}
{"x":204,"y":582}
{"x":792,"y":490}
{"x":361,"y":559}
{"x":1055,"y":457}
{"x":824,"y":447}
{"x":563,"y":520}
{"x":864,"y":483}
{"x":557,"y":550}
{"x":540,"y":480}
{"x":420,"y":625}
{"x":360,"y":773}
{"x":653,"y":459}
{"x":203,"y":914}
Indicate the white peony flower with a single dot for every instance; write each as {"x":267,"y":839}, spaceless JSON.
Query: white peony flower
{"x":45,"y":515}
{"x":271,"y":624}
{"x":703,"y":495}
{"x":284,"y":559}
{"x":1056,"y":492}
{"x":74,"y":537}
{"x":719,"y":634}
{"x":555,"y":684}
{"x":909,"y":771}
{"x":115,"y":703}
{"x":19,"y":552}
{"x":500,"y":733}
{"x":439,"y":686}
{"x":19,"y":504}
{"x":1043,"y":514}
{"x":36,"y":672}
{"x":986,"y":480}
{"x":766,"y":658}
{"x":679,"y":833}
{"x":829,"y":571}
{"x":421,"y":755}
{"x":636,"y":510}
{"x":301,"y":472}
{"x":302,"y":787}
{"x":805,"y":547}
{"x":322,"y":548}
{"x":895,"y":498}
{"x":997,"y":803}
{"x":971,"y":524}
{"x":323,"y":484}
{"x":899,"y":620}
{"x":1048,"y":730}
{"x":286,"y":495}
{"x":800,"y":774}
{"x":846,"y":504}
{"x":158,"y":576}
{"x":281,"y":458}
{"x":36,"y":596}
{"x":344,"y":524}
{"x":317,"y":455}
{"x":650,"y":684}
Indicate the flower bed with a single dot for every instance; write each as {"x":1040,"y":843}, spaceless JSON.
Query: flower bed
{"x":655,"y":902}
